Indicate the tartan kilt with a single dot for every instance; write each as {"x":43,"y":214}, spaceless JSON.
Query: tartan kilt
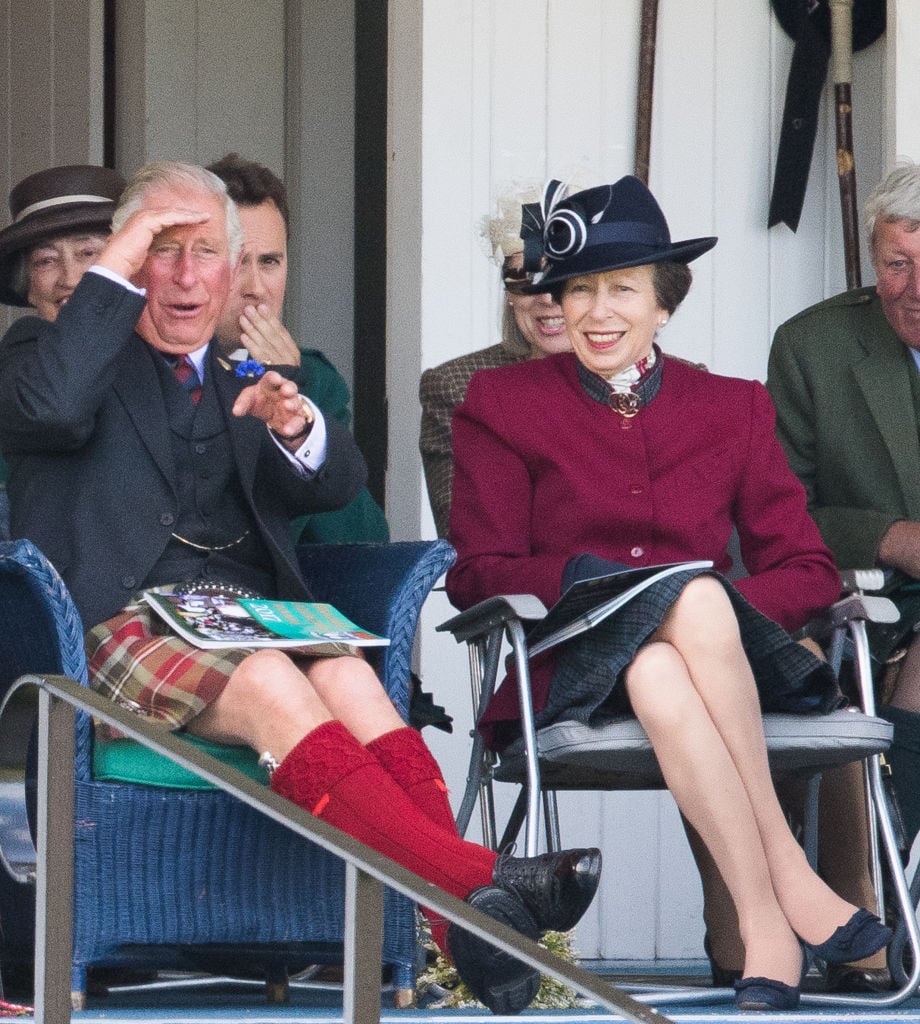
{"x":587,"y":681}
{"x":136,"y":660}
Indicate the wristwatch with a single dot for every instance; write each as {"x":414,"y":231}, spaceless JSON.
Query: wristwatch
{"x":307,"y":414}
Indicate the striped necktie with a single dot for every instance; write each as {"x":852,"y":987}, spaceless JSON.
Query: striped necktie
{"x":187,"y":376}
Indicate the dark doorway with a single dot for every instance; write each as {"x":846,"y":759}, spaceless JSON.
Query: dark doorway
{"x":370,"y":396}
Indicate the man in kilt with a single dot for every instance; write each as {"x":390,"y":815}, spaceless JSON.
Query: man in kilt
{"x":138,"y":460}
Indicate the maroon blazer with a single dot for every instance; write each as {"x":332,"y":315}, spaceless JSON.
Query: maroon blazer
{"x":543,"y":472}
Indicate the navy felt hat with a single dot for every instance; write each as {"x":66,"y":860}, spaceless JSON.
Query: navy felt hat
{"x":867,"y":17}
{"x":53,"y":202}
{"x":609,"y":227}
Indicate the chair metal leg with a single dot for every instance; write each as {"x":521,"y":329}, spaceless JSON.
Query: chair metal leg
{"x":483,"y":658}
{"x":277,"y":986}
{"x":404,"y":998}
{"x":810,"y":831}
{"x":551,"y":817}
{"x":902,"y":895}
{"x":515,"y":820}
{"x":880,"y":820}
{"x":884,"y":841}
{"x":898,"y":946}
{"x":515,"y":632}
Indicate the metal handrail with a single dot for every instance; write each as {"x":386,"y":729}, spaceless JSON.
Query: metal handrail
{"x":367,"y":871}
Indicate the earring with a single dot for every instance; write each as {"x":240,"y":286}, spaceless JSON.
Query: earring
{"x":662,"y":321}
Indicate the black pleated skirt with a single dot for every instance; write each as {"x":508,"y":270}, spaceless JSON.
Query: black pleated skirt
{"x":587,"y":683}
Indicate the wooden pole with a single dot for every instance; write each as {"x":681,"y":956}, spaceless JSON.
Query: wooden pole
{"x":645,"y":91}
{"x":841,"y":59}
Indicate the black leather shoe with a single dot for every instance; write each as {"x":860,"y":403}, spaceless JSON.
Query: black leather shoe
{"x":847,"y":978}
{"x":503,"y":983}
{"x":557,"y":888}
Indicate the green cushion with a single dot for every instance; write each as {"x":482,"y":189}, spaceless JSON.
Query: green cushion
{"x":125,"y":760}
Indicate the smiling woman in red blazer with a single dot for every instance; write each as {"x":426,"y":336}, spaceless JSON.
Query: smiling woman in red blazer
{"x":615,"y":453}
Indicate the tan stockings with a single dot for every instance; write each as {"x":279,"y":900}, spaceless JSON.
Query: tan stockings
{"x":692,"y":689}
{"x":843,"y":860}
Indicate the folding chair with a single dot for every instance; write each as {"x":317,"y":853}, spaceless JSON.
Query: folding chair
{"x":618,"y":754}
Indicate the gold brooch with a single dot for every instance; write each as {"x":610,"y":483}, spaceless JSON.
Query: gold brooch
{"x":627,"y":403}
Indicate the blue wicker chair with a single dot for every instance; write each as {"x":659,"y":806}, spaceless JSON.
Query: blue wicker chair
{"x":193,"y":878}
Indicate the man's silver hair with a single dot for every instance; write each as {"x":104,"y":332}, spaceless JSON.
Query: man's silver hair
{"x":172,"y":174}
{"x":895,"y":198}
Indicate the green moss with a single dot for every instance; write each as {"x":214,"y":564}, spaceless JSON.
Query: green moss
{"x":440,"y":987}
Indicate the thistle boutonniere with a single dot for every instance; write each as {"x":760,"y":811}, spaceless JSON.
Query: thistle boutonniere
{"x":250,"y":368}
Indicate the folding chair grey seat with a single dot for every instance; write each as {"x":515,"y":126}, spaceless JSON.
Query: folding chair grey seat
{"x":618,"y":755}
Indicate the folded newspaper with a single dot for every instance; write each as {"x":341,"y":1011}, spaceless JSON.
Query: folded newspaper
{"x":217,"y":620}
{"x":588,"y":602}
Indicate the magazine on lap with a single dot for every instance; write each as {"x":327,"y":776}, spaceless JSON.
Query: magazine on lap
{"x":589,"y":601}
{"x":215,"y":621}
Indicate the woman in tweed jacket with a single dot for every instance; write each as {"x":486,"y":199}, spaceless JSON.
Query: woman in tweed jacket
{"x":532,"y":327}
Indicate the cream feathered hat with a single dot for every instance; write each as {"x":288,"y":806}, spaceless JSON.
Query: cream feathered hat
{"x":502,"y":230}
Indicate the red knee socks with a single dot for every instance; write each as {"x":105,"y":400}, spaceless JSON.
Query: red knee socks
{"x":330,"y":774}
{"x":405,"y":756}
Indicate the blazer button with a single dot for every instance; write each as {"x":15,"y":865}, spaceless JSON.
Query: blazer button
{"x":201,"y":449}
{"x":637,"y":552}
{"x":167,"y":519}
{"x":129,"y":582}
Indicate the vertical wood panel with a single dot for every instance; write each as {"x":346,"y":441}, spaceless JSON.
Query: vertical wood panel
{"x":51,"y":82}
{"x":75,"y":140}
{"x":740,"y":182}
{"x":516,"y":121}
{"x":682,"y":174}
{"x":323,"y":238}
{"x":591,"y":82}
{"x":902,"y":93}
{"x":451,"y":257}
{"x":32,"y":92}
{"x":405,"y":203}
{"x":240,"y":80}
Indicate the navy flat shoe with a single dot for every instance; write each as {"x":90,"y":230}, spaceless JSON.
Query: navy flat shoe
{"x":863,"y":935}
{"x":766,"y":994}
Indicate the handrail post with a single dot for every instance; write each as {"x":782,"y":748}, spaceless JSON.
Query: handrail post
{"x":54,"y":866}
{"x":363,"y":947}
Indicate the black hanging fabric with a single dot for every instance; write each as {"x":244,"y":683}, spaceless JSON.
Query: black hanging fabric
{"x":808,"y":23}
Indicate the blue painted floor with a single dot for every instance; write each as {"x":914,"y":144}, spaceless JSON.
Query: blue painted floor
{"x":221,"y":1001}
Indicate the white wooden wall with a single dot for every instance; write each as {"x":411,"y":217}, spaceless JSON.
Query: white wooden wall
{"x":484,"y":93}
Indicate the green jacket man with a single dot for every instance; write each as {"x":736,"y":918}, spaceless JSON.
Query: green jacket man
{"x":845,"y":378}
